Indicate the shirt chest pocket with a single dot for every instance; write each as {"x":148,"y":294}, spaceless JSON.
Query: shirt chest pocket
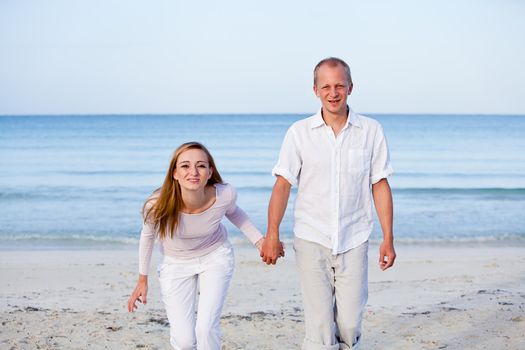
{"x":358,"y":161}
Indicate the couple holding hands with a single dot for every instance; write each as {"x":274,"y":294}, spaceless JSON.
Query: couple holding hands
{"x":339,"y":161}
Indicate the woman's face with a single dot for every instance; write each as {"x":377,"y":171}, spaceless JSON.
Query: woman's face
{"x":192,"y":170}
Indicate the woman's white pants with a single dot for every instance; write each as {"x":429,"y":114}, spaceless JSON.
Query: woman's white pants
{"x":180,"y":279}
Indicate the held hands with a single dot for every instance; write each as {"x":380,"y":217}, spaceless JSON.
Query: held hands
{"x":387,"y":255}
{"x":260,"y":243}
{"x":139,"y":294}
{"x":271,"y":250}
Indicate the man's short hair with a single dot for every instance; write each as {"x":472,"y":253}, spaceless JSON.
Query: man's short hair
{"x":333,"y":62}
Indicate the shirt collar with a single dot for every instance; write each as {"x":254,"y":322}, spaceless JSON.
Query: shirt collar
{"x":318,"y":120}
{"x":353,"y":118}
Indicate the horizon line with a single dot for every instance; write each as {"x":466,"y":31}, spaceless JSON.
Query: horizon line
{"x":422,"y":114}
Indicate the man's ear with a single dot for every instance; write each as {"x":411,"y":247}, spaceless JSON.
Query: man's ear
{"x":316,"y":92}
{"x":350,"y":89}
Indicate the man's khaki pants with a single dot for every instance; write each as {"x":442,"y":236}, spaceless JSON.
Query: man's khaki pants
{"x":335,"y":291}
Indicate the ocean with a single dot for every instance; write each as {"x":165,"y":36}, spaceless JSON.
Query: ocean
{"x":80,"y":181}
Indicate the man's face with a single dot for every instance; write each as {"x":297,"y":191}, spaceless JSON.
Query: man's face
{"x":332,"y":88}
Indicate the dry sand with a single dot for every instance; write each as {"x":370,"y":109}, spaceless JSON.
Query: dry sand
{"x":436,"y":297}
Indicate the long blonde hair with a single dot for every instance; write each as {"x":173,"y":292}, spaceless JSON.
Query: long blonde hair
{"x":163,"y":207}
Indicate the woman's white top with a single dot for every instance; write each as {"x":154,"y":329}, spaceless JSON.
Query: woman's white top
{"x":198,"y":234}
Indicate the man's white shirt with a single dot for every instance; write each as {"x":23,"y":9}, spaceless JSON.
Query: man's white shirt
{"x":334,"y":175}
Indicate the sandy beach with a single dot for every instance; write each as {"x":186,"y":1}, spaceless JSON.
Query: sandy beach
{"x":436,"y":297}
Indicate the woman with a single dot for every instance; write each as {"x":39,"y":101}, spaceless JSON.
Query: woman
{"x":185,"y":214}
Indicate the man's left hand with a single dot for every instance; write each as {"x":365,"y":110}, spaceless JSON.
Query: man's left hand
{"x":387,"y":255}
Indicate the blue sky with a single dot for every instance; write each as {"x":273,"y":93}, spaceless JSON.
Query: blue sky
{"x":129,"y":56}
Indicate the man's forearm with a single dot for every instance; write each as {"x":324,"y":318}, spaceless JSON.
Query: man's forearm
{"x":384,"y":207}
{"x":277,"y":207}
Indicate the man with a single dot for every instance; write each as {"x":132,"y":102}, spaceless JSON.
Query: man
{"x":338,"y":160}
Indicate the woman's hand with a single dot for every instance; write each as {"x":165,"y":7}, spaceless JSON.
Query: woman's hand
{"x":260,"y":242}
{"x":281,"y":250}
{"x":139,"y":294}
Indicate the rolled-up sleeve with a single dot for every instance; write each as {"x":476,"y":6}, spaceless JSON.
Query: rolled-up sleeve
{"x":380,"y":166}
{"x":289,"y":163}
